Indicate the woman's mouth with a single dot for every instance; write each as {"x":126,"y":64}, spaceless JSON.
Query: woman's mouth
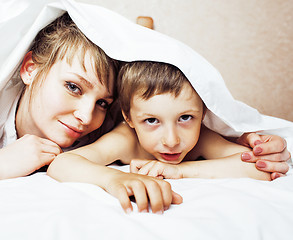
{"x":72,"y":131}
{"x":170,"y":156}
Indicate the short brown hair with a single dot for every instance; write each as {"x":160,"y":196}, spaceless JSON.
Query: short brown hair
{"x":147,"y":79}
{"x":62,"y":38}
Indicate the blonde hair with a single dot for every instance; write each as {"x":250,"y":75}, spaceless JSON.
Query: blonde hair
{"x":62,"y":38}
{"x":147,"y":79}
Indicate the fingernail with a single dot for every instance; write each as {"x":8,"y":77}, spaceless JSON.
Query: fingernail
{"x":261,"y":164}
{"x":144,"y":211}
{"x":245,"y":156}
{"x":257,"y":142}
{"x":277,"y":175}
{"x":257,"y":150}
{"x":128,"y":210}
{"x":159,"y":212}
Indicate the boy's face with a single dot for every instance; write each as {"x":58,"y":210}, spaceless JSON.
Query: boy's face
{"x":70,"y":103}
{"x":168,"y":127}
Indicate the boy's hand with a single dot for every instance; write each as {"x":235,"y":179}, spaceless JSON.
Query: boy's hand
{"x":145,"y":190}
{"x":156,"y":169}
{"x":269,"y":152}
{"x":26,"y":155}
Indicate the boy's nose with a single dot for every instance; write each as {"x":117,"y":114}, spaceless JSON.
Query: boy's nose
{"x":170,"y":138}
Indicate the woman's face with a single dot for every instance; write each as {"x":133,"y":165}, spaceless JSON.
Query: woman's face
{"x":70,"y":103}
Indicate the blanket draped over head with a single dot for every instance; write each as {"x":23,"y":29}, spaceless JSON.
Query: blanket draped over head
{"x":123,"y":40}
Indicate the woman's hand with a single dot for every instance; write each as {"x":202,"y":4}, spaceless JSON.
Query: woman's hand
{"x":269,"y":153}
{"x":26,"y":155}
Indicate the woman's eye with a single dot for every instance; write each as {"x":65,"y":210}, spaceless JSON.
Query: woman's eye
{"x":185,"y":118}
{"x":151,"y":121}
{"x":103,"y":103}
{"x":73,"y":88}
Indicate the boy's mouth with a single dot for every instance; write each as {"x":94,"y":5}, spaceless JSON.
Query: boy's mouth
{"x":170,"y":156}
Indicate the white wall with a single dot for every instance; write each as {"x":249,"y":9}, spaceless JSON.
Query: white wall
{"x":249,"y":41}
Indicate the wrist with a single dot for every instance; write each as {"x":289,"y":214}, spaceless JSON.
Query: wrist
{"x":188,"y":169}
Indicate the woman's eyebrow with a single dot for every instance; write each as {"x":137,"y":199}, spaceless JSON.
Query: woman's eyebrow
{"x":84,"y":81}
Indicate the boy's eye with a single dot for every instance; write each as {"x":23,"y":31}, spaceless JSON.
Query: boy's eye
{"x":151,"y":121}
{"x":185,"y":118}
{"x":103,"y":103}
{"x":73,"y":88}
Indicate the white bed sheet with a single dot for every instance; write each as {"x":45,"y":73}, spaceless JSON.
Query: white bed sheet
{"x":39,"y":208}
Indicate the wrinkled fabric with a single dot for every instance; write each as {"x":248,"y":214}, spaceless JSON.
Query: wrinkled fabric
{"x":123,"y":40}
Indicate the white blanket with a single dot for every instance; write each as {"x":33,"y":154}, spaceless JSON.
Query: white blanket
{"x":37,"y":207}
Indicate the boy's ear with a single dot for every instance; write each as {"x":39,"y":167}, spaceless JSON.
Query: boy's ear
{"x":129,"y":122}
{"x":28,"y":69}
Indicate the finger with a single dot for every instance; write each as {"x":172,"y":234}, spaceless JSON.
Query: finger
{"x":49,"y":142}
{"x":275,"y":175}
{"x":123,"y":196}
{"x":176,"y":198}
{"x":276,"y":157}
{"x":140,"y":195}
{"x":136,"y":165}
{"x":155,"y":197}
{"x":268,"y":166}
{"x":156,"y":171}
{"x":145,"y":169}
{"x":273,"y":144}
{"x":56,"y":150}
{"x":249,"y":139}
{"x":166,"y":193}
{"x":46,"y":159}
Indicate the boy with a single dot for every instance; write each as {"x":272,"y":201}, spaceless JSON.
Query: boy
{"x":163,"y":116}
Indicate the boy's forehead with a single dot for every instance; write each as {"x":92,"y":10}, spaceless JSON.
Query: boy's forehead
{"x":186,"y":94}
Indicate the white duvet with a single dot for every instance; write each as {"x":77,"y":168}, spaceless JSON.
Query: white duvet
{"x":38,"y":207}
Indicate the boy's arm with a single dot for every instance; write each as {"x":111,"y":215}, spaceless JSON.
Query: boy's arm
{"x":223,"y":161}
{"x":118,"y":144}
{"x":85,"y":165}
{"x":121,"y":185}
{"x":226,"y":167}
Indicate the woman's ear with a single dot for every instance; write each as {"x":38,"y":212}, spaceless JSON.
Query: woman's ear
{"x":28,"y":69}
{"x":204,"y":111}
{"x":129,"y":122}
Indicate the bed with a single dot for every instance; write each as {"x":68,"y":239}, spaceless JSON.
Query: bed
{"x":38,"y":207}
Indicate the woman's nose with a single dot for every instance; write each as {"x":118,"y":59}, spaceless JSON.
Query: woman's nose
{"x":85,"y":113}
